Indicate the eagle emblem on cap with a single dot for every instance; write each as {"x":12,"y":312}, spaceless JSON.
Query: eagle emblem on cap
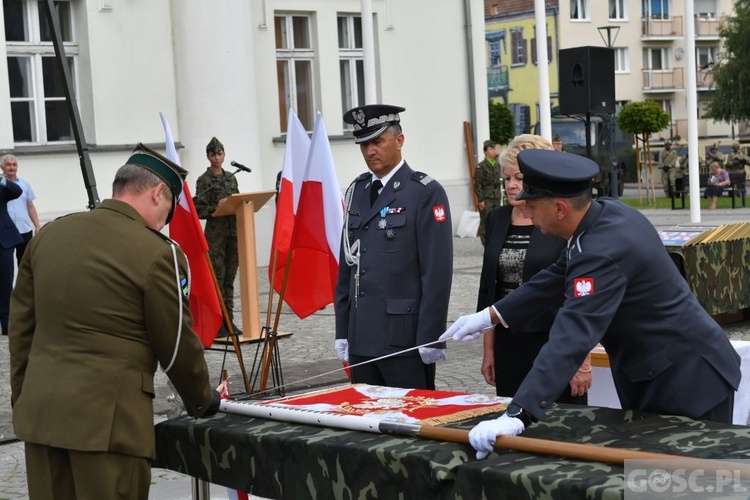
{"x":359,"y":116}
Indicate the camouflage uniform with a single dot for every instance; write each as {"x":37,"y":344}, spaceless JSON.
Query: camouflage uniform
{"x":715,"y":155}
{"x":667,"y":161}
{"x":737,"y":160}
{"x":221,"y":232}
{"x":488,"y":185}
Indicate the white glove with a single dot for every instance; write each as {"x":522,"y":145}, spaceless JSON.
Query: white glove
{"x":432,"y":355}
{"x":469,"y":327}
{"x":482,"y":437}
{"x":342,"y":349}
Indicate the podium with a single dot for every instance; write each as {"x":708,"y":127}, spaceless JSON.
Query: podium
{"x":244,"y":206}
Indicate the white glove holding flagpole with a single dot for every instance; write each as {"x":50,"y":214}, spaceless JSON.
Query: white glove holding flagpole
{"x":482,"y":437}
{"x":342,"y":349}
{"x":469,"y":327}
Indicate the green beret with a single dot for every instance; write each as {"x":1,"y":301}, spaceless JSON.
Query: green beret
{"x":214,"y":146}
{"x":172,"y":174}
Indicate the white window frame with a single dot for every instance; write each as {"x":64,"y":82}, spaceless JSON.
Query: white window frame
{"x":666,"y":5}
{"x":352,"y":55}
{"x":711,"y":54}
{"x":290,"y":56}
{"x":666,"y":58}
{"x":622,"y":60}
{"x":621,"y":10}
{"x":706,"y":15}
{"x":582,"y":7}
{"x":35,"y":51}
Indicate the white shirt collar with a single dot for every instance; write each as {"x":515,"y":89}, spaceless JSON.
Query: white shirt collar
{"x":388,"y":176}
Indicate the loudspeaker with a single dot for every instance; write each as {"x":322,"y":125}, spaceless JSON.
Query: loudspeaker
{"x":587,"y":80}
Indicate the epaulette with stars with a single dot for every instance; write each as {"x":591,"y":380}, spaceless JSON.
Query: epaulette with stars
{"x":422,"y":178}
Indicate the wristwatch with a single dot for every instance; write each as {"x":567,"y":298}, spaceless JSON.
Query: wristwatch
{"x":516,"y":411}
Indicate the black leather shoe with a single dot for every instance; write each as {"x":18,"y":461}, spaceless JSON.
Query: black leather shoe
{"x":236,"y":329}
{"x":223,"y":332}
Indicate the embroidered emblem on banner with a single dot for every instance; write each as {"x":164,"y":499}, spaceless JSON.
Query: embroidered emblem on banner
{"x":438,"y":212}
{"x":583,"y":286}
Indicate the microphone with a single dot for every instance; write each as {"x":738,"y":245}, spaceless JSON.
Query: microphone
{"x":240,"y":166}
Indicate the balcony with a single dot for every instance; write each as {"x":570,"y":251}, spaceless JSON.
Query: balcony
{"x":706,"y":28}
{"x":498,"y":82}
{"x":661,"y":29}
{"x":704,"y":79}
{"x":706,"y":128}
{"x":663,"y":80}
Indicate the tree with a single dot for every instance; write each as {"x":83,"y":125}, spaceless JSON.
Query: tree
{"x":643,"y":119}
{"x":502,"y":123}
{"x":731,"y":75}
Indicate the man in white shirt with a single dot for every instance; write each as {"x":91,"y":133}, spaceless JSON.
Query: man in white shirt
{"x":22,"y":209}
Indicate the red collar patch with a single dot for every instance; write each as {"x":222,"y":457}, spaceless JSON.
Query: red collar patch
{"x":583,"y":286}
{"x":438,"y":212}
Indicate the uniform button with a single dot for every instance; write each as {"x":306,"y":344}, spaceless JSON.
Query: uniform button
{"x":364,"y":250}
{"x":408,"y":309}
{"x":650,"y":373}
{"x":361,"y":294}
{"x":543,"y":404}
{"x":362,"y":272}
{"x":367,"y":226}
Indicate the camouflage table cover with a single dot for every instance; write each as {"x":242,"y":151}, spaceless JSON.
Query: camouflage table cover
{"x":290,"y":461}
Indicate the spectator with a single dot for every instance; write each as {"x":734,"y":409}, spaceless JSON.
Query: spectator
{"x":516,"y":250}
{"x":396,"y":260}
{"x":100,"y":299}
{"x":22,"y":209}
{"x":717,"y":181}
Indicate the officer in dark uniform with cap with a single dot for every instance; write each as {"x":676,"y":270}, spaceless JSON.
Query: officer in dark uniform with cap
{"x":617,"y":285}
{"x":396,"y":261}
{"x":101,"y":298}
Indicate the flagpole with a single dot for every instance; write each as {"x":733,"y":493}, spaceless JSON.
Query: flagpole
{"x":228,"y":323}
{"x":271,"y":338}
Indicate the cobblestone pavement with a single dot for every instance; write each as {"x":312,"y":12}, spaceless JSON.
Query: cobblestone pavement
{"x":309,"y":351}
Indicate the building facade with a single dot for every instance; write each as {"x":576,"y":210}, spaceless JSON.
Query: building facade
{"x":648,"y":37}
{"x":232,"y":69}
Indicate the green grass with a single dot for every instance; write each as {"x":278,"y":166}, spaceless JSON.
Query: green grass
{"x":662,"y":202}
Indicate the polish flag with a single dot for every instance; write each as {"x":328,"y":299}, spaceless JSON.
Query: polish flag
{"x":185,"y":229}
{"x":292,"y":173}
{"x":317,"y":230}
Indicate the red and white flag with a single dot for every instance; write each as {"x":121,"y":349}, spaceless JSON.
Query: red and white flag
{"x":317,"y":230}
{"x":292,"y":173}
{"x":185,"y":229}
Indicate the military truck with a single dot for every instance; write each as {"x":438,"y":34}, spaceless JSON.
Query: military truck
{"x":572,"y":132}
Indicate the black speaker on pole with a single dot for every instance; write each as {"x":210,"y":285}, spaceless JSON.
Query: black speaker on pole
{"x":587,"y":80}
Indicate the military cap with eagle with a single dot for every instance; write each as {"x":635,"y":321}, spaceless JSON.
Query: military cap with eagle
{"x":546,"y":173}
{"x":371,"y":120}
{"x":171,"y":173}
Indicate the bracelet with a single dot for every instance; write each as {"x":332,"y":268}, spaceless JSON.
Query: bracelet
{"x":584,"y":371}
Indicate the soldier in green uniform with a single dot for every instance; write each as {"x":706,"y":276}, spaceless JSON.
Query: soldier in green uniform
{"x":737,"y":160}
{"x":667,"y":161}
{"x":488,"y":185}
{"x":101,"y":298}
{"x":213,"y":188}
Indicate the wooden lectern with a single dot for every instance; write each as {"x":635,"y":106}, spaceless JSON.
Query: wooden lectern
{"x":244,"y":206}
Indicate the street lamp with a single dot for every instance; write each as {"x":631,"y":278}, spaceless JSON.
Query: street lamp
{"x":609,"y":35}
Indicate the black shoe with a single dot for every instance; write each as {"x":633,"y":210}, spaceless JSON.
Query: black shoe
{"x":223,"y":332}
{"x":237,"y":330}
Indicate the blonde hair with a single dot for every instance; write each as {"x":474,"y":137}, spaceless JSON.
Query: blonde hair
{"x":521,"y":142}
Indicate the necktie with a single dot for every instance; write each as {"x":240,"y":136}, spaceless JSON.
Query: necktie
{"x":374,"y":188}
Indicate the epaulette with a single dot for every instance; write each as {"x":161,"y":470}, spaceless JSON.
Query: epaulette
{"x":162,"y":236}
{"x":422,"y":178}
{"x":363,"y":176}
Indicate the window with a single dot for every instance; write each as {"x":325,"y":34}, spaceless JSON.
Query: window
{"x":37,"y":100}
{"x":579,"y":10}
{"x":351,"y":63}
{"x":705,"y":9}
{"x":655,"y":9}
{"x":549,"y":50}
{"x":705,"y":57}
{"x":656,"y":58}
{"x":622,"y":64}
{"x":618,"y":10}
{"x":518,"y":47}
{"x":294,"y":68}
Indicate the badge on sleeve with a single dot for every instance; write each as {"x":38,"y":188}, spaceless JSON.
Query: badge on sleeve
{"x":438,"y":212}
{"x":583,"y":286}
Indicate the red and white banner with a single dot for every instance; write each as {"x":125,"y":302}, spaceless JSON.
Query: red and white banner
{"x":186,"y":230}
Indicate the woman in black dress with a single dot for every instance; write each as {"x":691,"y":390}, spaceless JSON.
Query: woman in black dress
{"x":514,"y":251}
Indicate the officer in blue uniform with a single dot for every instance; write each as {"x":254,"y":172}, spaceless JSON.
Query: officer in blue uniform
{"x":618,"y":286}
{"x":396,"y":261}
{"x":9,"y":239}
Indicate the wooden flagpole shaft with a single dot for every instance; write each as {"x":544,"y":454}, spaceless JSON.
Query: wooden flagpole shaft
{"x":271,"y":337}
{"x":228,"y":323}
{"x":577,"y":451}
